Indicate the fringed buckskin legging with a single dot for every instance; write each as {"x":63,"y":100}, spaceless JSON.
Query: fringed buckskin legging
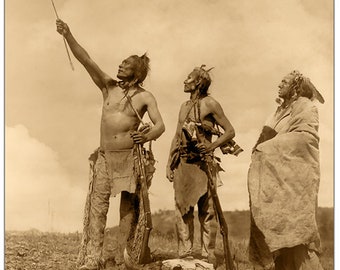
{"x":185,"y":227}
{"x":97,"y":205}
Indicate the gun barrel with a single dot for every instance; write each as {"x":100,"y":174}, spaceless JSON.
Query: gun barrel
{"x":222,"y":222}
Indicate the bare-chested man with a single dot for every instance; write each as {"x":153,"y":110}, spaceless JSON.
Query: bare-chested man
{"x":198,"y":117}
{"x":113,"y":164}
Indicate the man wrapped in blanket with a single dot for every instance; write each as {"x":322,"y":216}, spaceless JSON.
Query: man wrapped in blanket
{"x":283,"y":181}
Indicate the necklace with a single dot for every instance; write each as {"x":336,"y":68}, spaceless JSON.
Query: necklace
{"x":192,"y":103}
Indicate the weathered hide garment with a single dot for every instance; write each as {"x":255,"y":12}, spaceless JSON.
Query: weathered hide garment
{"x":283,"y":183}
{"x":191,"y":188}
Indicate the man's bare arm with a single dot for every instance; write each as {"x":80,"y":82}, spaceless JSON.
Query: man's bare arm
{"x":100,"y":78}
{"x":173,"y":147}
{"x":158,"y":127}
{"x":175,"y":141}
{"x":220,"y":118}
{"x":156,"y":118}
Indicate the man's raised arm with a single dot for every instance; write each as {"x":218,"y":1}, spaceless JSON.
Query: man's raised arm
{"x":100,"y":78}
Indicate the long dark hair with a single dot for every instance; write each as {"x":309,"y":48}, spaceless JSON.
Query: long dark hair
{"x":142,"y":67}
{"x":204,"y":80}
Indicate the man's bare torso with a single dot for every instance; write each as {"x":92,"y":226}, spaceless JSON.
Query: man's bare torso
{"x":203,"y":114}
{"x":119,"y":119}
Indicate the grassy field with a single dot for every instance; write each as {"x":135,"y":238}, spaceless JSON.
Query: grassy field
{"x":37,"y":250}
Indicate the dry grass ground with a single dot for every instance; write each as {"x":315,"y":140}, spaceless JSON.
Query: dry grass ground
{"x":34,"y":250}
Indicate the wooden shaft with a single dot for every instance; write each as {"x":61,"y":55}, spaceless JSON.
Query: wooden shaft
{"x":68,"y":53}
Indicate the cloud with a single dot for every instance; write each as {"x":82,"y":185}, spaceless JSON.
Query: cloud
{"x":38,"y":193}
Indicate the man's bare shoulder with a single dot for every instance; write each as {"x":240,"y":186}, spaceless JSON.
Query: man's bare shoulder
{"x":143,"y":91}
{"x":186,"y":103}
{"x":145,"y":97}
{"x":144,"y":94}
{"x":210,"y":101}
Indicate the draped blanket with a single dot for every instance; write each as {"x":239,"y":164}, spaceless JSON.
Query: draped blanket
{"x":283,"y":183}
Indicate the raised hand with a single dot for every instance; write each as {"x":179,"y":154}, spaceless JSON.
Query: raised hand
{"x":62,"y":28}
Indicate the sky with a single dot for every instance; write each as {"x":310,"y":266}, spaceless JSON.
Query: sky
{"x":52,"y":114}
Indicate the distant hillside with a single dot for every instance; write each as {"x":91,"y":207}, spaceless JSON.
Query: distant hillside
{"x":238,"y":223}
{"x":164,"y":244}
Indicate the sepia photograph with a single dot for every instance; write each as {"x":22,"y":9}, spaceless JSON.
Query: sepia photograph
{"x":169,"y":134}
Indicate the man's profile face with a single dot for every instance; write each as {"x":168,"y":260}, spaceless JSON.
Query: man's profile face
{"x":126,"y":69}
{"x":190,"y":83}
{"x":284,"y":86}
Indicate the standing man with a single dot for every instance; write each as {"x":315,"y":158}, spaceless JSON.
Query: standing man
{"x":283,"y":181}
{"x":114,"y":163}
{"x":187,"y":164}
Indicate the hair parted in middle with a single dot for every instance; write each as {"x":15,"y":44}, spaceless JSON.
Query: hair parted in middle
{"x":204,"y":79}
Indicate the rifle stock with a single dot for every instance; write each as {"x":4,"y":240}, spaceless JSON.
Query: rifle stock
{"x":145,"y":251}
{"x":221,"y":220}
